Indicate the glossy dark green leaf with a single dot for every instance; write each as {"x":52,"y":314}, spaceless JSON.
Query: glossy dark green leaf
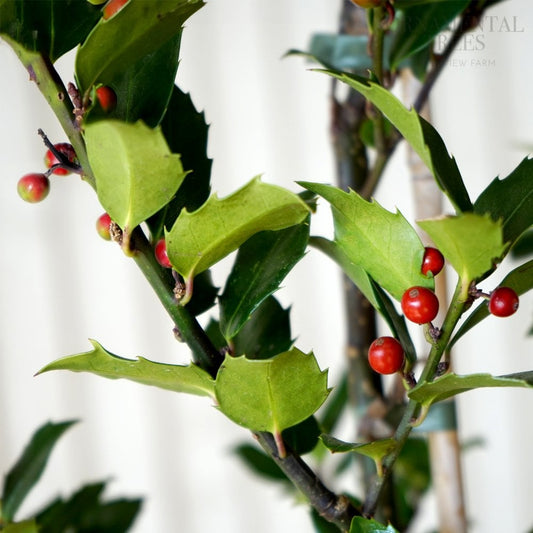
{"x":520,"y":280}
{"x":29,"y":467}
{"x":419,"y":133}
{"x":381,"y":243}
{"x":260,"y":463}
{"x":262,"y":263}
{"x":523,"y":247}
{"x":86,"y":511}
{"x":267,"y":333}
{"x":419,"y":25}
{"x":190,"y":379}
{"x":375,"y":450}
{"x":453,"y":384}
{"x":335,"y":405}
{"x":321,"y":525}
{"x":205,"y":294}
{"x":510,"y":200}
{"x":51,"y":27}
{"x":186,"y":132}
{"x":143,"y":88}
{"x":303,"y":437}
{"x":139,"y":29}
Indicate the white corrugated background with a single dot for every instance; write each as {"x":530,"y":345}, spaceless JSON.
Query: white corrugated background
{"x":61,"y":284}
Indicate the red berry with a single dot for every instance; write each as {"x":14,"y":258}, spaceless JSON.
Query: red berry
{"x":420,"y":305}
{"x":433,"y":261}
{"x":50,"y":159}
{"x":503,"y":302}
{"x":161,"y":253}
{"x":112,"y":7}
{"x":103,"y":226}
{"x":107,"y":98}
{"x":385,"y":355}
{"x":33,"y":187}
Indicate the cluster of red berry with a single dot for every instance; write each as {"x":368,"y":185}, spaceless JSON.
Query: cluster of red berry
{"x":34,"y":187}
{"x":420,"y":305}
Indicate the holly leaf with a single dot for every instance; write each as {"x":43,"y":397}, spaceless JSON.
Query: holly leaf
{"x":189,"y":379}
{"x":186,"y":132}
{"x":262,"y":263}
{"x":135,"y":172}
{"x":471,"y":243}
{"x":510,"y":200}
{"x":371,"y":290}
{"x":200,"y":239}
{"x":144,"y":87}
{"x":49,"y":27}
{"x":453,"y":384}
{"x":520,"y":280}
{"x":142,"y":27}
{"x":376,"y":450}
{"x":86,"y":510}
{"x":382,"y":243}
{"x":419,"y":25}
{"x":273,"y":394}
{"x":366,"y":525}
{"x":267,"y":333}
{"x":419,"y":133}
{"x":29,"y":468}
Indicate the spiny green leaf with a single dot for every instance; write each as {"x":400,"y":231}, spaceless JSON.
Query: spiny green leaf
{"x":261,"y":265}
{"x":421,"y":135}
{"x":189,"y":379}
{"x":376,"y":450}
{"x":419,"y":25}
{"x":367,"y":525}
{"x":272,"y":394}
{"x":520,"y":280}
{"x":372,"y":291}
{"x":267,"y":333}
{"x":142,"y":27}
{"x":453,"y":384}
{"x":86,"y":510}
{"x":471,"y":243}
{"x":510,"y":200}
{"x":382,"y":243}
{"x":200,"y":239}
{"x":135,"y":172}
{"x":29,"y":467}
{"x":50,"y":27}
{"x":143,"y":88}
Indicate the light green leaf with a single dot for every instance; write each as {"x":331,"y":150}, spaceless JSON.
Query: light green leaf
{"x":419,"y":133}
{"x":368,"y":525}
{"x":471,"y":243}
{"x":271,"y":394}
{"x":135,"y":172}
{"x":28,"y":526}
{"x":138,"y":29}
{"x":375,"y":450}
{"x":453,"y":384}
{"x":200,"y":239}
{"x":189,"y":379}
{"x":382,"y":243}
{"x":520,"y":280}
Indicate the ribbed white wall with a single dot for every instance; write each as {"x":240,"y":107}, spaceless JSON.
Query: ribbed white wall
{"x":60,"y":283}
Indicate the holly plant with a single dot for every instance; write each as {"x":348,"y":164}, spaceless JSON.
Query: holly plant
{"x":136,"y":138}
